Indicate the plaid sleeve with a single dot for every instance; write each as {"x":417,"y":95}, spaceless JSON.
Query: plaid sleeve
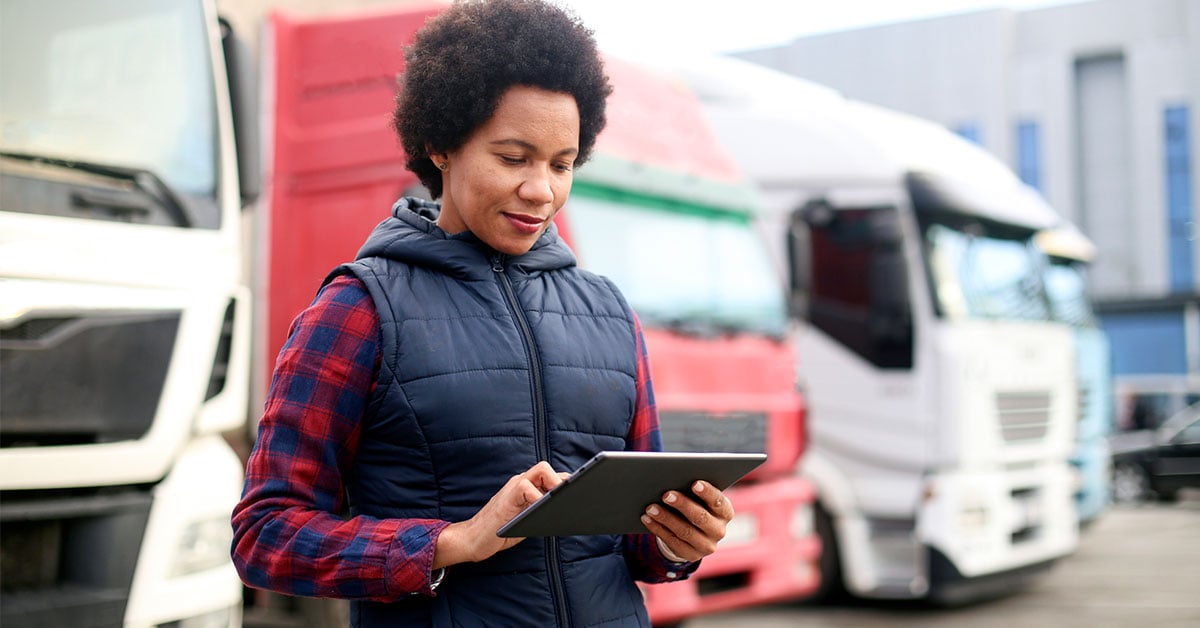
{"x":291,"y":533}
{"x":645,"y":561}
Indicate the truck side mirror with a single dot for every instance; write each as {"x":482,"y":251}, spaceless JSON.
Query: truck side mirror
{"x":817,"y":212}
{"x":243,"y":96}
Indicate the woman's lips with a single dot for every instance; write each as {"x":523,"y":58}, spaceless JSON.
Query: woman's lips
{"x":525,"y":224}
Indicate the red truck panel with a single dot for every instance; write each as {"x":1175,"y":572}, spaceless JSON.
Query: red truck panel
{"x":338,"y":165}
{"x":727,"y":377}
{"x":656,"y":120}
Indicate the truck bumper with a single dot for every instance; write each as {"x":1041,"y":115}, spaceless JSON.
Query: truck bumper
{"x":988,"y":523}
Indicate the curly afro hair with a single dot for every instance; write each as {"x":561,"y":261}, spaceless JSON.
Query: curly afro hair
{"x":465,"y":58}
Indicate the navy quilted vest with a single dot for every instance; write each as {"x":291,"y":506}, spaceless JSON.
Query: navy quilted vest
{"x":489,"y":364}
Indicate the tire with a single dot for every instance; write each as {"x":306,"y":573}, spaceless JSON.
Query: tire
{"x":1130,"y":484}
{"x":1167,"y":496}
{"x":832,"y":587}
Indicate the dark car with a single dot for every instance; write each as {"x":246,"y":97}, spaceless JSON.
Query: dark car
{"x":1160,"y":462}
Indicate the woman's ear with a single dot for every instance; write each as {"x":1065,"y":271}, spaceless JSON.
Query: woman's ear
{"x":439,"y":159}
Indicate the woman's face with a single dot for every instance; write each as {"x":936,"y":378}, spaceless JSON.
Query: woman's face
{"x":514,"y":173}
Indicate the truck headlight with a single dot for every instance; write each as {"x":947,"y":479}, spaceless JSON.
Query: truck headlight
{"x":742,"y":529}
{"x":203,"y":545}
{"x":972,"y":518}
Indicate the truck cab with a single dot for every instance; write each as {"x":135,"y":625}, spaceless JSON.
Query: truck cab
{"x":124,"y":329}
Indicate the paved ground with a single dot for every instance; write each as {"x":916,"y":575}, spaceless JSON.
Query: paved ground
{"x":1137,"y":566}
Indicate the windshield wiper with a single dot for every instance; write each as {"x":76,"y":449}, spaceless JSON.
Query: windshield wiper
{"x":688,"y":325}
{"x":773,"y":331}
{"x":145,"y":181}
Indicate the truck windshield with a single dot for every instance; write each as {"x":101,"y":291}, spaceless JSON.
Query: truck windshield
{"x":1066,"y":286}
{"x":692,"y":270}
{"x":121,"y":83}
{"x":985,"y":273}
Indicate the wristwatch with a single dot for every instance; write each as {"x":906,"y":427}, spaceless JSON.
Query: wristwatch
{"x":436,"y":578}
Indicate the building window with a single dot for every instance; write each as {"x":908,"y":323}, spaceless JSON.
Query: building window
{"x":970,"y":131}
{"x":1180,"y":226}
{"x":1029,"y":158}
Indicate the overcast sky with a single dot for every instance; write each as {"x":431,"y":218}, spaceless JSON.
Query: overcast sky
{"x":635,"y":28}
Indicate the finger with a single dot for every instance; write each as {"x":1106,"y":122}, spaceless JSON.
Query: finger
{"x":518,"y":492}
{"x":718,"y":504}
{"x":677,"y":546}
{"x":689,"y":536}
{"x":529,"y":493}
{"x":697,"y":514}
{"x":543,"y":475}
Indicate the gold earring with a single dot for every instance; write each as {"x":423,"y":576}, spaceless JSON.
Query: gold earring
{"x":442,"y":166}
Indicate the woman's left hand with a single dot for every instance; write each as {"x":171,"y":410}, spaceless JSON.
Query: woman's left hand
{"x":693,"y":524}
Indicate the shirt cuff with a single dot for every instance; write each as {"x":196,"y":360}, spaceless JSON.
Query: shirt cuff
{"x":668,"y":554}
{"x":410,"y":560}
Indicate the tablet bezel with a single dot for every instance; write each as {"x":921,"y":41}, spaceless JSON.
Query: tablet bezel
{"x":585,"y":503}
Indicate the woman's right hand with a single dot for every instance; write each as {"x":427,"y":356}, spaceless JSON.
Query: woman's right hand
{"x":475,"y":539}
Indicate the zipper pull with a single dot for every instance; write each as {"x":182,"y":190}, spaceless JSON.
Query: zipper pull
{"x":498,"y":263}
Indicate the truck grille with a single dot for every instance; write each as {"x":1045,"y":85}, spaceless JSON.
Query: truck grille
{"x":1024,"y":415}
{"x":740,"y":432}
{"x":93,"y":378}
{"x":67,"y":556}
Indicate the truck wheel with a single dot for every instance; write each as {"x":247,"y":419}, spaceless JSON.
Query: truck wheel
{"x":1130,"y":484}
{"x":1167,"y":496}
{"x":832,"y":588}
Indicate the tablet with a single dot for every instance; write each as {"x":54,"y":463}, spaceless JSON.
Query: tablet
{"x":609,"y":493}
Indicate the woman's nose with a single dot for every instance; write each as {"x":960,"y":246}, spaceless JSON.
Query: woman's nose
{"x":536,"y":187}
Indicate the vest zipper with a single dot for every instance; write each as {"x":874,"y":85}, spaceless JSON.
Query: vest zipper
{"x":541,"y":431}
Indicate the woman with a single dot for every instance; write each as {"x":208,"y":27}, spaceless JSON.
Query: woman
{"x":463,"y":364}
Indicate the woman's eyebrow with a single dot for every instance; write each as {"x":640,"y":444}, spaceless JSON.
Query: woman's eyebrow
{"x":530,"y":147}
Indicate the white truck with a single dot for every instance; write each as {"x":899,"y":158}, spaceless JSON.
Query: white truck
{"x":942,"y":398}
{"x":124,"y":319}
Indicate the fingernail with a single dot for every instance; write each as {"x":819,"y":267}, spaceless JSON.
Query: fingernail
{"x":653,"y":510}
{"x":698,"y":487}
{"x":670,"y":498}
{"x":645,"y":520}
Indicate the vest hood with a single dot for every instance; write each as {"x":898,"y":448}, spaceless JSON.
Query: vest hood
{"x":411,"y":235}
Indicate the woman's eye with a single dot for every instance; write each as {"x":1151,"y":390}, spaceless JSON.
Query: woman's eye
{"x":511,"y":160}
{"x":563,"y":167}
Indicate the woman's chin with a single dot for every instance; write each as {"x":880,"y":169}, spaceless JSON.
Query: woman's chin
{"x":514,"y":245}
